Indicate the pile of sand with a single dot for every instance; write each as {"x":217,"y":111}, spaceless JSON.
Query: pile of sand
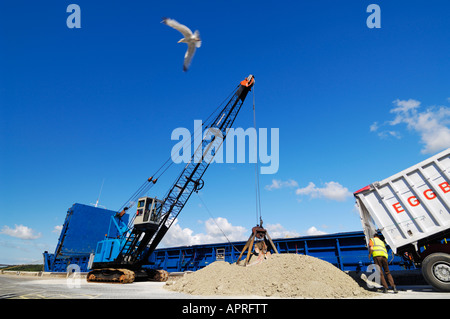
{"x":282,"y":275}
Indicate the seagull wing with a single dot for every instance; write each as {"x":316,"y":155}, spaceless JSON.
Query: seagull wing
{"x":178,"y":26}
{"x":188,"y":56}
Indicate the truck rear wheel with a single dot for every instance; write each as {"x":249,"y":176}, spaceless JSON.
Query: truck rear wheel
{"x":436,"y":270}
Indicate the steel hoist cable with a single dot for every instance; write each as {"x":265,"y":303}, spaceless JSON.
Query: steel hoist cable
{"x":257,"y":188}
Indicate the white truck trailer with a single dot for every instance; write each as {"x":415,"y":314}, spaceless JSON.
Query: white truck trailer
{"x":411,"y":209}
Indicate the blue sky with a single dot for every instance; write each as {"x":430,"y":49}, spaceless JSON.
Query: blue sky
{"x":81,"y":106}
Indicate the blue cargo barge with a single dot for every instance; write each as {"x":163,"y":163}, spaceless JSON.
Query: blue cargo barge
{"x":86,"y":225}
{"x":347,"y":251}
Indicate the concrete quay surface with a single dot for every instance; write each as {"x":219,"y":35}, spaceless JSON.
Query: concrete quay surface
{"x":20,"y":286}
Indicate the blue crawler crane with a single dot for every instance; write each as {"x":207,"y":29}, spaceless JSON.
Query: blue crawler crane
{"x":121,"y":259}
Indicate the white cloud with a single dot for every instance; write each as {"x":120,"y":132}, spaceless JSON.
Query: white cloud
{"x":386,"y":134}
{"x":277,"y":184}
{"x":178,"y":236}
{"x":20,"y":231}
{"x":432,"y":124}
{"x":374,"y":127}
{"x":278,"y":231}
{"x":405,"y":106}
{"x":57,"y":229}
{"x":216,"y":228}
{"x":332,"y":190}
{"x":313,"y":231}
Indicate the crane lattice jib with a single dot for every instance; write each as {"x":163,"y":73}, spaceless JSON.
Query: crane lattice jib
{"x":190,"y":178}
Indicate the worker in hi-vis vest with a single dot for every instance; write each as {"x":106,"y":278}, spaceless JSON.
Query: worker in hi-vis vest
{"x":377,"y":249}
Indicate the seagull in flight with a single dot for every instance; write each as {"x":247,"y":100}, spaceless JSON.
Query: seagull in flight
{"x":191,"y":39}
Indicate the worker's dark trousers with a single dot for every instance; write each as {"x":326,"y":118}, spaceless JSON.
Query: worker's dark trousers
{"x":382,"y":263}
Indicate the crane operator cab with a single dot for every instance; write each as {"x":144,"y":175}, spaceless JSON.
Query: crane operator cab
{"x":148,"y":213}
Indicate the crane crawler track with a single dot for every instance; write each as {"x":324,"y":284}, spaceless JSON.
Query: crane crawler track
{"x":158,"y":275}
{"x":111,"y":275}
